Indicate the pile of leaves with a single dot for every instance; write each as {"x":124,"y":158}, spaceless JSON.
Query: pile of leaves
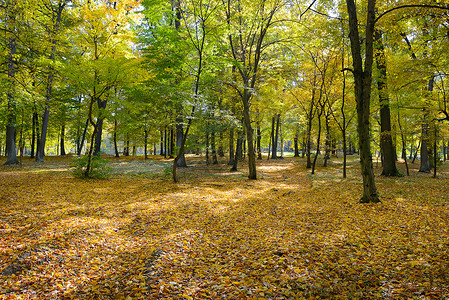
{"x":218,"y":235}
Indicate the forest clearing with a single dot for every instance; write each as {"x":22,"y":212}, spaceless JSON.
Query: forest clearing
{"x":218,"y":235}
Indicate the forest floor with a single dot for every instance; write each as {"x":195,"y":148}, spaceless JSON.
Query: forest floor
{"x":218,"y":235}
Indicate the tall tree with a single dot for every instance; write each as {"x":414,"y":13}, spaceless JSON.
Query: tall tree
{"x":248,"y":27}
{"x":11,"y":11}
{"x":362,"y":72}
{"x":386,"y":141}
{"x":53,"y":28}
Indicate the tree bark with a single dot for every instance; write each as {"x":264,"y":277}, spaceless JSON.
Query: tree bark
{"x":362,"y":90}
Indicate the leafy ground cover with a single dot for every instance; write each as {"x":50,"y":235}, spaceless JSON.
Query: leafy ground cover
{"x":218,"y":235}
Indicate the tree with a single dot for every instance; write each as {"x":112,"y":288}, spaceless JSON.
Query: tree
{"x":386,"y":141}
{"x":247,"y":31}
{"x":11,"y":11}
{"x":362,"y":88}
{"x":53,"y":28}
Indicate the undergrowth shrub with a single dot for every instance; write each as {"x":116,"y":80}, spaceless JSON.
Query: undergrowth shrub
{"x":99,"y":168}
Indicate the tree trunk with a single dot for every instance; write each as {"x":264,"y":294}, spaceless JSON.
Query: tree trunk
{"x":281,"y":137}
{"x":11,"y":127}
{"x":172,"y":142}
{"x":362,"y":91}
{"x":179,"y":141}
{"x":231,"y":147}
{"x":238,"y":149}
{"x":41,"y":150}
{"x":309,"y":141}
{"x":62,"y":146}
{"x":214,"y":152}
{"x":276,"y":137}
{"x":100,"y":120}
{"x":327,"y":151}
{"x":416,"y":152}
{"x":80,"y":147}
{"x":259,"y":137}
{"x":50,"y":78}
{"x":435,"y":152}
{"x":220,"y":147}
{"x":33,"y":134}
{"x":425,"y":159}
{"x":126,"y":148}
{"x":295,"y":141}
{"x":207,"y":145}
{"x":146,"y":143}
{"x":115,"y":139}
{"x":386,"y":142}
{"x":318,"y":140}
{"x":161,"y":152}
{"x":403,"y":142}
{"x":273,"y":149}
{"x":165,"y":142}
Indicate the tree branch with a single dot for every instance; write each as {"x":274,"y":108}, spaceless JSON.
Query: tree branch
{"x":410,"y":6}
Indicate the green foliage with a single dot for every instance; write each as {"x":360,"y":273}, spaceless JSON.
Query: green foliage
{"x":99,"y":168}
{"x":168,"y":171}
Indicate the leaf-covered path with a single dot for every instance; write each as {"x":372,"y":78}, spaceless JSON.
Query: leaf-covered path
{"x":217,"y":235}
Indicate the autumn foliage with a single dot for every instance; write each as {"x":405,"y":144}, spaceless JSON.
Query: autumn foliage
{"x":218,"y":235}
